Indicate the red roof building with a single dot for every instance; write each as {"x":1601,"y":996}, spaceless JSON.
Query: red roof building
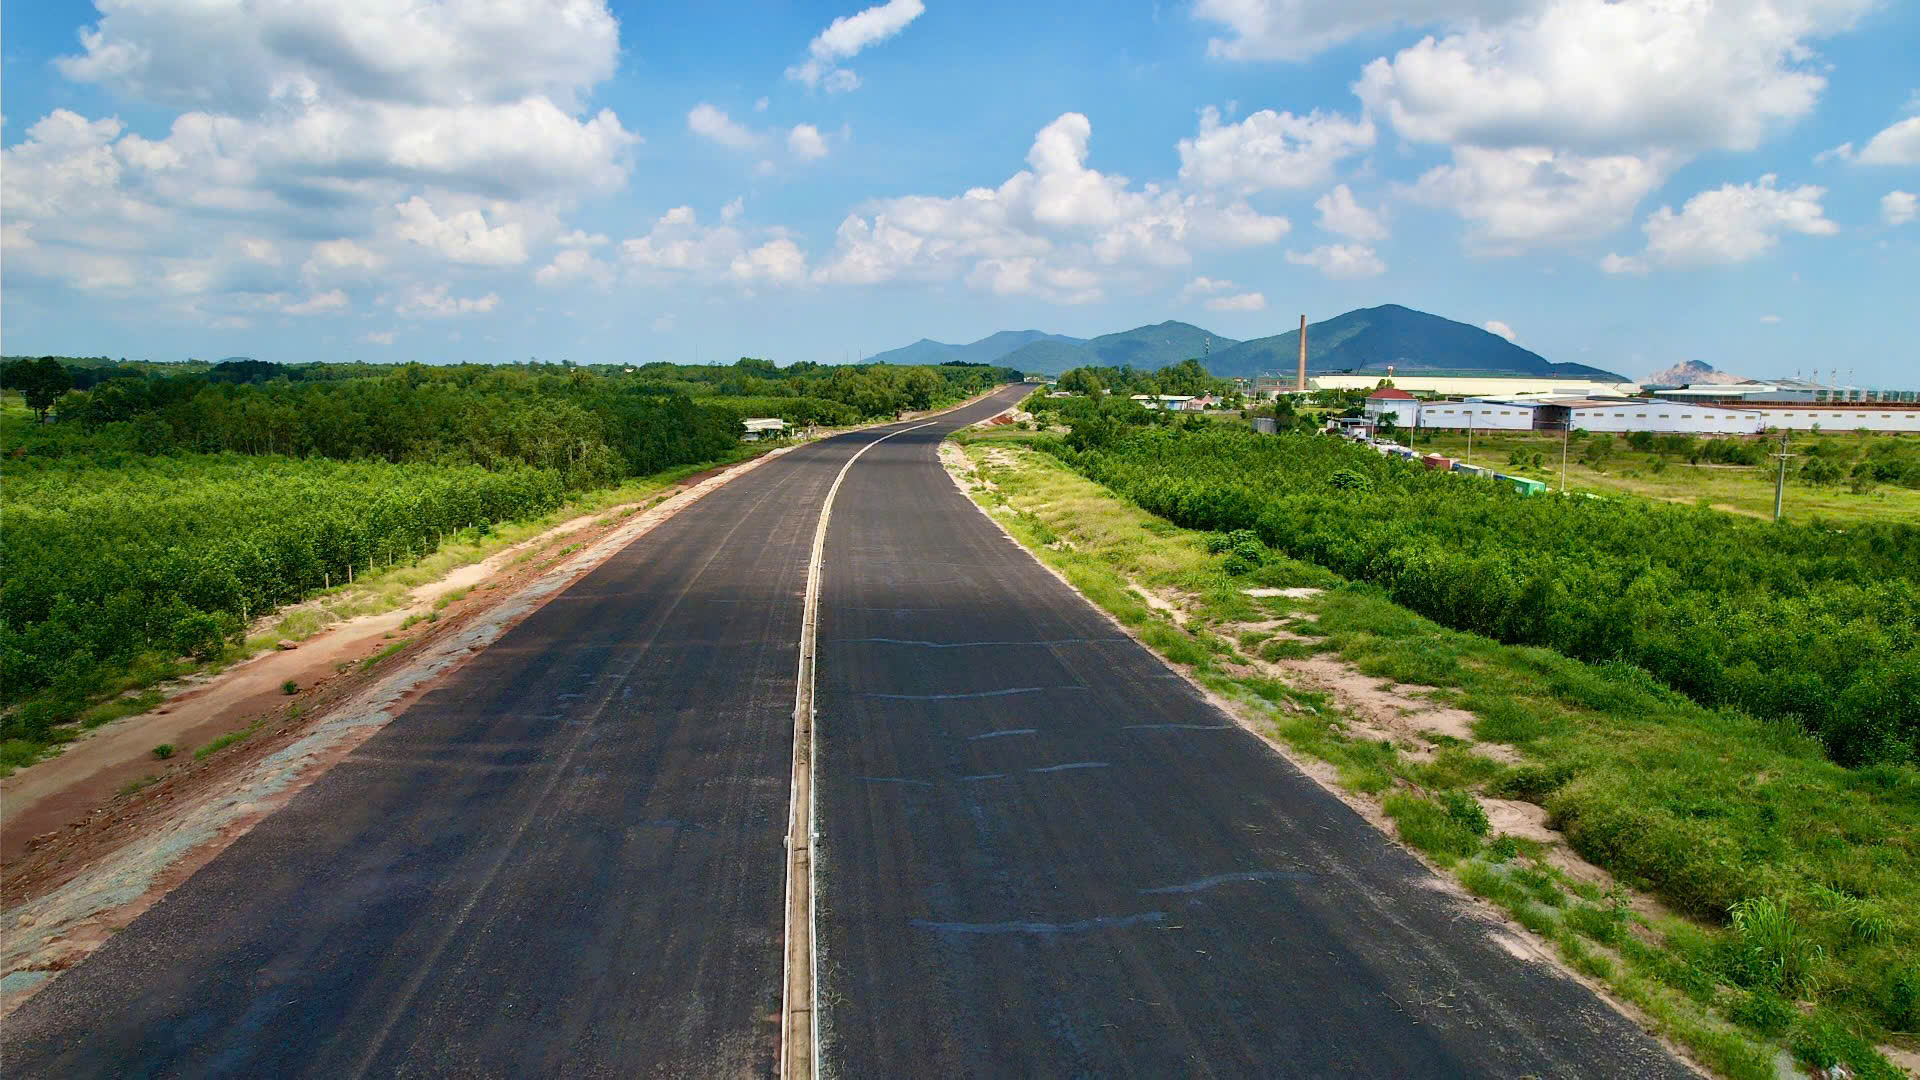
{"x":1390,"y":393}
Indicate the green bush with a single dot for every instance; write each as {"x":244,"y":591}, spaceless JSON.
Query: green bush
{"x":1770,"y":949}
{"x":1810,"y":624}
{"x":1428,"y":826}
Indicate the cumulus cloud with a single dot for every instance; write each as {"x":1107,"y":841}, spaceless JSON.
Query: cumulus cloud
{"x":1899,"y":207}
{"x":846,"y":37}
{"x":331,"y":300}
{"x":1053,"y":230}
{"x":1528,"y":197}
{"x":1769,"y":319}
{"x":1730,"y":224}
{"x":435,"y":302}
{"x":678,"y":244}
{"x":463,"y":236}
{"x":1204,"y":286}
{"x":254,"y":58}
{"x":1342,"y":215}
{"x":1495,"y":326}
{"x":415,"y":133}
{"x":712,"y":122}
{"x":1251,"y":301}
{"x":1897,"y":145}
{"x":1340,"y":261}
{"x":574,"y":264}
{"x":1600,"y":76}
{"x":1299,"y":29}
{"x":1269,"y":150}
{"x":805,"y":141}
{"x":1563,"y":114}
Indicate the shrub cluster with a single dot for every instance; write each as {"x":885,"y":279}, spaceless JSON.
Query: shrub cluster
{"x":1813,"y":624}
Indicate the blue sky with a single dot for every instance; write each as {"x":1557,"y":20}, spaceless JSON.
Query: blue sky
{"x":1627,"y":184}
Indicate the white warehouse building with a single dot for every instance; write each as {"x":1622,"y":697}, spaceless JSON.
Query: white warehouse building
{"x":1478,"y":415}
{"x":1659,"y":417}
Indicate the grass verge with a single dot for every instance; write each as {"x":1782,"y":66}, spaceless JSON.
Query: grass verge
{"x":1755,"y":897}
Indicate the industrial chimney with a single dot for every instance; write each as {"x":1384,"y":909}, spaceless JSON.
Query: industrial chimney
{"x":1302,"y":384}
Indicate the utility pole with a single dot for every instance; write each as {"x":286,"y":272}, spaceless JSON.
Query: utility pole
{"x":1780,"y":478}
{"x":1566,"y":433}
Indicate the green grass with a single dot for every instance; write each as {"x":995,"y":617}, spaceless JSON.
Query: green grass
{"x":380,"y":657}
{"x":1738,"y":489}
{"x":1702,"y":809}
{"x":231,"y":738}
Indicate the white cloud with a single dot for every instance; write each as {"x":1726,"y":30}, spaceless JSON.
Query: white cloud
{"x":435,"y":303}
{"x":331,"y":300}
{"x":1730,"y":224}
{"x":1252,"y":301}
{"x":254,"y":58}
{"x":1341,"y":261}
{"x":581,"y":239}
{"x":759,"y":105}
{"x":1342,"y":215}
{"x":1769,"y":319}
{"x":1606,"y":76}
{"x":1299,"y":29}
{"x":1270,"y":150}
{"x":1495,"y":326}
{"x":463,"y":236}
{"x":846,"y":37}
{"x":1528,"y":197}
{"x":712,"y":122}
{"x":1561,"y":115}
{"x":804,"y":141}
{"x":1054,"y":230}
{"x":1899,"y":207}
{"x":574,"y":264}
{"x":414,"y":132}
{"x":779,"y":261}
{"x":1897,"y":145}
{"x":663,"y":323}
{"x":1204,"y":286}
{"x":732,"y":211}
{"x":377,"y":337}
{"x":679,"y":245}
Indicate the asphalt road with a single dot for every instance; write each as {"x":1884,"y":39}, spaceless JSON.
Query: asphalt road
{"x":568,"y":859}
{"x":1040,"y":853}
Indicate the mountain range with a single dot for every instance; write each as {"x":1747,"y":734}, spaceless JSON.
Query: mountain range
{"x":1365,"y":340}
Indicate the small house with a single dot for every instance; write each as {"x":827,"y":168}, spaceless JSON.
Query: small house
{"x":763,"y":427}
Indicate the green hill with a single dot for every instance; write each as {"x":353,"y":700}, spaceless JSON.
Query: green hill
{"x":1366,"y":340}
{"x":1144,"y":347}
{"x":1371,"y":339}
{"x":988,"y":350}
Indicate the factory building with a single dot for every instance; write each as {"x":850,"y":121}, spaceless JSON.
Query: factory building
{"x":1479,"y":414}
{"x":1878,"y":418}
{"x":1643,"y":414}
{"x":1468,"y":386}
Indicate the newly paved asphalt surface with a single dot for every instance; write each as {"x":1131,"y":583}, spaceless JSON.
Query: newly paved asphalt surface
{"x":566,"y":860}
{"x":1040,"y":852}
